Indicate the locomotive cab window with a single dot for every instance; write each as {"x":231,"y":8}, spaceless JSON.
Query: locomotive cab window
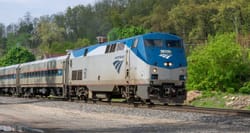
{"x":153,"y":42}
{"x":107,"y":49}
{"x":110,"y":48}
{"x":86,"y":52}
{"x":174,"y":43}
{"x":135,"y":43}
{"x":119,"y":46}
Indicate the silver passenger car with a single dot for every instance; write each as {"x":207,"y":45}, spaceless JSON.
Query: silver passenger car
{"x":42,"y":76}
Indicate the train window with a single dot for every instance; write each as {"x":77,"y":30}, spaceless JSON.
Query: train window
{"x":153,"y":42}
{"x":41,"y":73}
{"x":36,"y":74}
{"x":74,"y":74}
{"x":86,"y":52}
{"x":135,"y":43}
{"x":119,"y":47}
{"x":107,"y":49}
{"x":174,"y":43}
{"x":59,"y":72}
{"x":54,"y":72}
{"x":48,"y":73}
{"x":79,"y":75}
{"x":112,"y":48}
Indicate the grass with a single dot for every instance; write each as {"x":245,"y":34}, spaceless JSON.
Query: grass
{"x":248,"y":107}
{"x":215,"y":100}
{"x":211,"y":101}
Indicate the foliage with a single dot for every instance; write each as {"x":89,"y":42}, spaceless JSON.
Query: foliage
{"x":22,"y":39}
{"x":62,"y":47}
{"x":81,"y":43}
{"x":49,"y":33}
{"x":193,"y":20}
{"x":125,"y":32}
{"x":16,"y":55}
{"x":219,"y":65}
{"x":210,"y":100}
{"x":246,"y":88}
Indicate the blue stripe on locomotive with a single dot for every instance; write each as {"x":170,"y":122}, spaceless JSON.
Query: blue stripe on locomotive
{"x":150,"y":55}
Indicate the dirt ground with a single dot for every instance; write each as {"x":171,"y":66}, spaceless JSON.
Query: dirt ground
{"x":50,"y":119}
{"x":63,"y":120}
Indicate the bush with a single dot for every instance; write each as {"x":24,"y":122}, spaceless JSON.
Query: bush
{"x":245,"y":89}
{"x":217,"y":65}
{"x":230,"y":90}
{"x":16,"y":55}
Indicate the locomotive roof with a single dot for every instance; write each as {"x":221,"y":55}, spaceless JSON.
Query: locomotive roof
{"x":80,"y":51}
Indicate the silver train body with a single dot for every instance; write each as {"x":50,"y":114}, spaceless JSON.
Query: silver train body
{"x":149,"y":68}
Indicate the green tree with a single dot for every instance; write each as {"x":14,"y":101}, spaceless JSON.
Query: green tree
{"x":80,"y":23}
{"x":125,"y":32}
{"x":233,"y":16}
{"x":49,"y":33}
{"x":219,"y":65}
{"x":25,"y":26}
{"x":16,"y":55}
{"x":2,"y":39}
{"x":61,"y":47}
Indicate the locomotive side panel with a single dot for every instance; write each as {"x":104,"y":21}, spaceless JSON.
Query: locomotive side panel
{"x":99,"y":72}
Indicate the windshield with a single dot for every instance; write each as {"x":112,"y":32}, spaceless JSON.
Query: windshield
{"x":153,"y":43}
{"x":163,"y":43}
{"x":174,"y":43}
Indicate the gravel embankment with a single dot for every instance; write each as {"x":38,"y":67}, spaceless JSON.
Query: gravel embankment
{"x":59,"y":116}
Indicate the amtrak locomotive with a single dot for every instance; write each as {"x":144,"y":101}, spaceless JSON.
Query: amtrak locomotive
{"x":148,"y":68}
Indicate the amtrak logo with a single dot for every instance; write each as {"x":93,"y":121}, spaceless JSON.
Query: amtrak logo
{"x":166,"y":54}
{"x":118,"y":63}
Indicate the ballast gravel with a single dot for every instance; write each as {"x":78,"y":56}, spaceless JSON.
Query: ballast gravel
{"x":71,"y":117}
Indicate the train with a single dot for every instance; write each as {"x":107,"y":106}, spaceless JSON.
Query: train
{"x":150,"y":68}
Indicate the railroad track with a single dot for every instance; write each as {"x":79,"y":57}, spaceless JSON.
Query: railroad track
{"x":178,"y":108}
{"x":216,"y":111}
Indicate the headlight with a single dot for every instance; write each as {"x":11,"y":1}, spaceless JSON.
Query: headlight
{"x":168,"y":64}
{"x":165,"y":64}
{"x":155,"y":70}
